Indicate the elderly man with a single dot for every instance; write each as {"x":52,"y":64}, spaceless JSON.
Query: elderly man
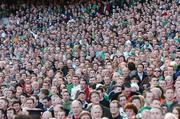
{"x":76,"y":108}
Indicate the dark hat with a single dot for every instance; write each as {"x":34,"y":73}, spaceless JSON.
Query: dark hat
{"x":35,"y":113}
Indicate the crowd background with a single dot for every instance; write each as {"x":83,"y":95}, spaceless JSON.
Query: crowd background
{"x":117,"y":59}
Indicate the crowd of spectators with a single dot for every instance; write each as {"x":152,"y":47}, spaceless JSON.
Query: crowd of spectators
{"x":92,"y":60}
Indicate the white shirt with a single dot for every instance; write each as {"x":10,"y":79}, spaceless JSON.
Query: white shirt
{"x":140,"y":76}
{"x":74,"y":91}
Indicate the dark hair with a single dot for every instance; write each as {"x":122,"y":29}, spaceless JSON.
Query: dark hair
{"x":31,"y":99}
{"x":123,"y":58}
{"x":115,"y":101}
{"x":16,"y":101}
{"x":141,"y":65}
{"x":44,"y":91}
{"x":25,"y":95}
{"x":47,"y":98}
{"x":36,"y":96}
{"x":126,"y":85}
{"x":131,"y":66}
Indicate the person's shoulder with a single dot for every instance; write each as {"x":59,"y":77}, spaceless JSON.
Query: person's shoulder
{"x":104,"y":107}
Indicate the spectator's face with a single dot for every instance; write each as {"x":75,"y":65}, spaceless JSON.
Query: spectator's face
{"x":92,"y":80}
{"x":96,"y":112}
{"x":46,"y":103}
{"x":149,"y":98}
{"x":175,"y":112}
{"x":56,"y":110}
{"x":177,"y":84}
{"x":107,"y":80}
{"x":125,"y":72}
{"x":154,"y":81}
{"x":61,"y":115}
{"x":76,"y":108}
{"x":50,"y":73}
{"x":17,"y":107}
{"x":75,"y":80}
{"x":19,"y":90}
{"x":137,"y":103}
{"x":149,"y":71}
{"x":162,"y":84}
{"x":156,"y":92}
{"x":140,"y":68}
{"x":122,"y":101}
{"x":156,"y":113}
{"x":127,"y":91}
{"x":114,"y":109}
{"x":83,"y":84}
{"x":130,"y":113}
{"x":30,"y":104}
{"x":178,"y":93}
{"x":54,"y":90}
{"x":66,"y":96}
{"x":95,"y":98}
{"x":156,"y":104}
{"x":10,"y":114}
{"x":169,"y":80}
{"x":23,"y":99}
{"x":118,"y":89}
{"x":120,"y":81}
{"x":3,"y":104}
{"x":28,"y":88}
{"x":35,"y":86}
{"x":54,"y":100}
{"x":169,"y":95}
{"x":9,"y":93}
{"x":85,"y":116}
{"x":170,"y":70}
{"x":82,"y":97}
{"x":45,"y":86}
